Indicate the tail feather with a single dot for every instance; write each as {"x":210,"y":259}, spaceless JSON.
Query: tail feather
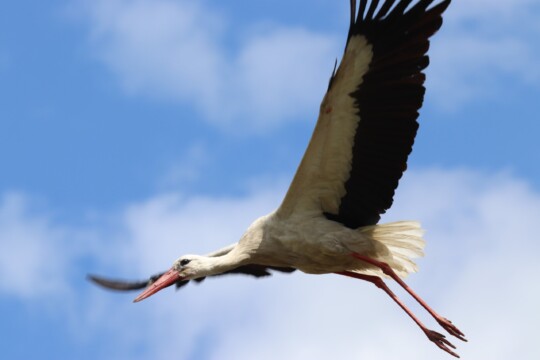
{"x":403,"y":240}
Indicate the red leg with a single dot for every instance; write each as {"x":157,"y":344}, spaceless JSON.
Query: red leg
{"x":445,"y":323}
{"x":434,"y":336}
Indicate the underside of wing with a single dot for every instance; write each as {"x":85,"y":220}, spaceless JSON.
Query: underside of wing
{"x":123,"y":285}
{"x":368,"y":118}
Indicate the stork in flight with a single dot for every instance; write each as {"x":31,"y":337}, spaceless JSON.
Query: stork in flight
{"x":328,"y":221}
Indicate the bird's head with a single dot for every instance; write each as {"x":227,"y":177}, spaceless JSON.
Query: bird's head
{"x":190,"y":267}
{"x":187,"y":267}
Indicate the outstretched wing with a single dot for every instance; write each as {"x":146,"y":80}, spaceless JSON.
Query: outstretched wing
{"x":122,"y":285}
{"x":367,"y":121}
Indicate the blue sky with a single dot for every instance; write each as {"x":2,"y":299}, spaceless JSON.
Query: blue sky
{"x":132,"y":132}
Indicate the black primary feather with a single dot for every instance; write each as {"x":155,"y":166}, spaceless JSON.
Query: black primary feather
{"x":387,"y":101}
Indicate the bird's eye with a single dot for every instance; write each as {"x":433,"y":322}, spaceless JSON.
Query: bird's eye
{"x":184,"y":262}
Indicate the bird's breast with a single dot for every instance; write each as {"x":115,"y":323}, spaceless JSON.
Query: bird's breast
{"x":313,"y":245}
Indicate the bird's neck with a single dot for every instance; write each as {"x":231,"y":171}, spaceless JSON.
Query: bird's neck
{"x":220,"y":264}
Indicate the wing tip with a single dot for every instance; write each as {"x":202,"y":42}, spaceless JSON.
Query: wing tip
{"x":116,"y":284}
{"x":391,"y":8}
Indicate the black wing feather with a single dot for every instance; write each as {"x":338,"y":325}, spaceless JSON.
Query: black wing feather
{"x":122,"y":285}
{"x":362,"y":9}
{"x":388,"y":101}
{"x":384,"y":9}
{"x":372,"y":8}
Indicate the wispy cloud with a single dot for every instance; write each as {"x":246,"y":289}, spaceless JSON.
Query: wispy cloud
{"x":478,"y":225}
{"x":483,"y":42}
{"x":32,"y":248}
{"x":174,"y":50}
{"x":481,"y":251}
{"x":189,"y":168}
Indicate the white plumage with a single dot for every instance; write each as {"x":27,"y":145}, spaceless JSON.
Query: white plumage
{"x":328,"y":220}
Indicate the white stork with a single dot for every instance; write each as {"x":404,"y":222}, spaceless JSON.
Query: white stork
{"x":328,"y":221}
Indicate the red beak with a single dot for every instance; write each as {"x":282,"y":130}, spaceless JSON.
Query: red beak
{"x":166,"y":280}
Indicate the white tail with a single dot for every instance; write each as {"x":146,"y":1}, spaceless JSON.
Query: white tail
{"x":404,"y":241}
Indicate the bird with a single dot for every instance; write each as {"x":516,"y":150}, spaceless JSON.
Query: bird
{"x":328,"y":221}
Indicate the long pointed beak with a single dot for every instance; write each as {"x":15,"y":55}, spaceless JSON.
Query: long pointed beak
{"x":166,"y":280}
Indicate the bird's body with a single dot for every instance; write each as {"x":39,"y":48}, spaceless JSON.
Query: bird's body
{"x":316,"y":245}
{"x":328,"y":221}
{"x":312,"y":245}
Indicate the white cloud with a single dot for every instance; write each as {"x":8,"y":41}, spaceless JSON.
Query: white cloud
{"x":280,"y":74}
{"x":158,"y":48}
{"x":482,"y":256}
{"x":31,"y":256}
{"x":482,"y":42}
{"x":481,"y":248}
{"x":188,"y":169}
{"x":174,"y":50}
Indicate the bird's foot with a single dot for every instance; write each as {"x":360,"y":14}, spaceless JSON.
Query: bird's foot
{"x":441,"y":342}
{"x":451,"y":328}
